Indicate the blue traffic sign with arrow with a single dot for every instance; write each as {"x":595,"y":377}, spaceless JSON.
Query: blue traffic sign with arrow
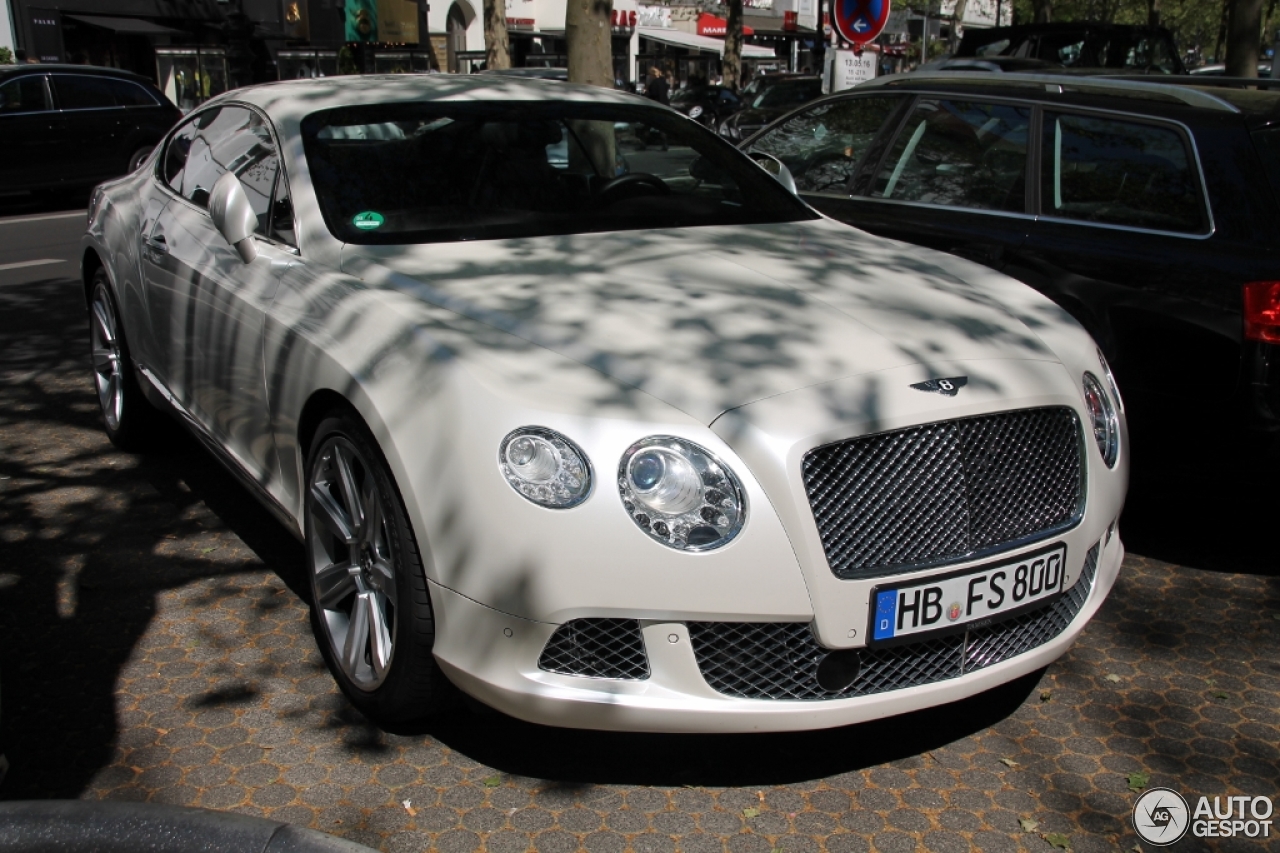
{"x":859,"y":21}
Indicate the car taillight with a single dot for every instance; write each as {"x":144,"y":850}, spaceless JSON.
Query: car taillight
{"x":1262,"y":311}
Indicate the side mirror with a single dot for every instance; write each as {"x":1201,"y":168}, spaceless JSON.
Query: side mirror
{"x":774,"y":167}
{"x":233,"y":216}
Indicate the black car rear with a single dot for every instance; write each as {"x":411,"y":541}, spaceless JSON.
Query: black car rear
{"x":76,"y":125}
{"x":1148,"y":211}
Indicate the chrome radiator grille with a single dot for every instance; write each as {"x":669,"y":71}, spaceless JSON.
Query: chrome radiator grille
{"x":945,"y":491}
{"x":597,"y":648}
{"x":754,"y":660}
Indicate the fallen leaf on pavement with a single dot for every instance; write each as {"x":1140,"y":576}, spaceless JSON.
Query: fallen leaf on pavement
{"x":1057,"y":839}
{"x":749,"y":813}
{"x":1113,"y":678}
{"x":1138,"y":780}
{"x":493,"y":781}
{"x":1028,"y":825}
{"x":1009,"y":762}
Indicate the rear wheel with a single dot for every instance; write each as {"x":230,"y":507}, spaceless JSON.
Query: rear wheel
{"x":137,"y":158}
{"x":369,"y":602}
{"x":128,"y":417}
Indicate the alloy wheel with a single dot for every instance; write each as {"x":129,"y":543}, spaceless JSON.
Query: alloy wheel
{"x":353,"y":562}
{"x":108,"y":376}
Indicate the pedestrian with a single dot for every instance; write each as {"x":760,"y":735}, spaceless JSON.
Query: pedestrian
{"x":658,"y":89}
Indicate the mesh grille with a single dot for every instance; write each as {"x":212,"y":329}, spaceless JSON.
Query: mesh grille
{"x":597,"y":648}
{"x":944,"y":491}
{"x":754,"y":660}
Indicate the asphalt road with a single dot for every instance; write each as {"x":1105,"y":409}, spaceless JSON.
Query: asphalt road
{"x":154,"y":646}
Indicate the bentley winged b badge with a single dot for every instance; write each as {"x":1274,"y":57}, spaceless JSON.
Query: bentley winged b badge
{"x":948,"y":387}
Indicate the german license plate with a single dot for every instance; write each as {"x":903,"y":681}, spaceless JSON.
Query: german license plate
{"x":969,"y":598}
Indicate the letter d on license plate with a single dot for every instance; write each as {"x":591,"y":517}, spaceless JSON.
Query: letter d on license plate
{"x":982,"y":595}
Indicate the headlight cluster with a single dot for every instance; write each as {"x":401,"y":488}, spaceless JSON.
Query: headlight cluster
{"x":695,"y":112}
{"x":545,"y":467}
{"x":675,"y":491}
{"x":1111,"y":381}
{"x":1102,"y":419}
{"x":680,"y":494}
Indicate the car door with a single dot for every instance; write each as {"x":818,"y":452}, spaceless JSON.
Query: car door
{"x":33,"y":134}
{"x":94,"y":131}
{"x":215,"y":307}
{"x":1126,"y":242}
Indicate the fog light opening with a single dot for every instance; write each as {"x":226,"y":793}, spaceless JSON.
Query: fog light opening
{"x":839,"y":670}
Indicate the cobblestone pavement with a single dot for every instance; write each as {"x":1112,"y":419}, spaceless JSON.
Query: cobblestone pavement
{"x":154,"y":646}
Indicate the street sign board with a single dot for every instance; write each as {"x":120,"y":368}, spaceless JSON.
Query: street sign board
{"x":859,"y":21}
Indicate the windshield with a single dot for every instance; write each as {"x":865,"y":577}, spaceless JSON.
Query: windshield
{"x":479,"y":171}
{"x":788,"y":94}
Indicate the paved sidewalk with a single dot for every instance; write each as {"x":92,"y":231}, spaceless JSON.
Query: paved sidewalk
{"x":154,"y":646}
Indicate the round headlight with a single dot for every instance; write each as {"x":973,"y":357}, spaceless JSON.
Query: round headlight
{"x":695,"y":112}
{"x":545,"y":467}
{"x":1102,"y":419}
{"x":1111,"y":381}
{"x":680,"y":494}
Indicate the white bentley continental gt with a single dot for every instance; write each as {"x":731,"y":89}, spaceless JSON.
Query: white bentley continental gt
{"x":575,"y":406}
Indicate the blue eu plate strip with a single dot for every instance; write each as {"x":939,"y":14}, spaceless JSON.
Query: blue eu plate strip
{"x":886,"y":614}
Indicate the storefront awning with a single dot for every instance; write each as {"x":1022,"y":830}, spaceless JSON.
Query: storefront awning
{"x":133,"y":26}
{"x":679,"y":38}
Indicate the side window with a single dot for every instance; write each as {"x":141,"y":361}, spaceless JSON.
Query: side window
{"x":822,"y":146}
{"x":189,"y":139}
{"x":250,"y":154}
{"x":24,"y":95}
{"x":1120,"y":173}
{"x":282,"y":227}
{"x":82,"y":92}
{"x":959,"y":153}
{"x":128,"y":94}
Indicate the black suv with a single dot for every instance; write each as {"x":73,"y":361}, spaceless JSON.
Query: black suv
{"x":76,"y":125}
{"x":1147,"y":210}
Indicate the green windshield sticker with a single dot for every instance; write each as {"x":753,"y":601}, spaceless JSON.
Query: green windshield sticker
{"x":367,"y":221}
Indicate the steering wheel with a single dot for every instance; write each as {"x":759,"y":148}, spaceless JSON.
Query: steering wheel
{"x":615,"y":188}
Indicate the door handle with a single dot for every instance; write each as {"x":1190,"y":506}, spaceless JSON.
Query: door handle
{"x":156,"y":244}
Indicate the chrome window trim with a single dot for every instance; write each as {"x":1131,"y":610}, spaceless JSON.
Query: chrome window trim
{"x":1173,"y":124}
{"x":1177,"y":126}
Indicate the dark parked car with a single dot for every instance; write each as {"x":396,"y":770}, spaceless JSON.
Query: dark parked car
{"x":76,"y":125}
{"x":770,"y":103}
{"x":1148,"y":210}
{"x":1078,"y":45}
{"x":707,"y":104}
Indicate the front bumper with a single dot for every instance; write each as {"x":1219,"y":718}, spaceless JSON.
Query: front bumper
{"x":495,"y":658}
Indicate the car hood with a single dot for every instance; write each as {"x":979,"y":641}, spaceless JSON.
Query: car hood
{"x":704,"y":319}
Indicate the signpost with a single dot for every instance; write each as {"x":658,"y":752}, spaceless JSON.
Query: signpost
{"x":859,"y":21}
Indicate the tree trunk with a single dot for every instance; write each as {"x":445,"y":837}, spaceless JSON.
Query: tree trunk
{"x":731,"y":66}
{"x":496,"y":44}
{"x":1244,"y":30}
{"x":1043,"y":10}
{"x":587,"y":33}
{"x":1222,"y":31}
{"x":1153,"y":13}
{"x":957,"y":16}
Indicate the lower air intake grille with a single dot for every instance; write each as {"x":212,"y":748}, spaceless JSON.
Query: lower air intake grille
{"x":755,"y":660}
{"x":597,"y":648}
{"x":945,"y":491}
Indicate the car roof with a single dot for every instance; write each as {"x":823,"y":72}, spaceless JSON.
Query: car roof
{"x":47,"y":67}
{"x":293,"y":99}
{"x":1140,"y":93}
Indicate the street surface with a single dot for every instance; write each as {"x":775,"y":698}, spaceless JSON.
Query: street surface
{"x":154,"y":645}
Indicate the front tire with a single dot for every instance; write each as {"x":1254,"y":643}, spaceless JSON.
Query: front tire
{"x":128,"y":417}
{"x":370,"y":607}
